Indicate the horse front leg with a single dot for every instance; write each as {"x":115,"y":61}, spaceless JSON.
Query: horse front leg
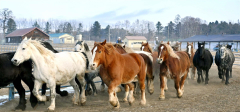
{"x":113,"y":95}
{"x":76,"y":95}
{"x":206,"y":79}
{"x":230,"y":69}
{"x":141,"y":80}
{"x":102,"y":88}
{"x":227,"y":76}
{"x":37,"y":85}
{"x":162,"y":86}
{"x":52,"y":86}
{"x":58,"y":91}
{"x":194,"y":72}
{"x":182,"y":82}
{"x":21,"y":92}
{"x":82,"y":81}
{"x":199,"y":71}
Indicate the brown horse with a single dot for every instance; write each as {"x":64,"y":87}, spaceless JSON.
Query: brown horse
{"x":148,"y":61}
{"x":174,"y":65}
{"x":121,"y":69}
{"x":190,"y":51}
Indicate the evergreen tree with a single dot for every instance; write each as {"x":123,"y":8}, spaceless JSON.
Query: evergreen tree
{"x":11,"y":25}
{"x":96,"y":30}
{"x":67,"y":28}
{"x":36,"y":25}
{"x":79,"y":29}
{"x":159,"y":28}
{"x":47,"y":28}
{"x":107,"y":31}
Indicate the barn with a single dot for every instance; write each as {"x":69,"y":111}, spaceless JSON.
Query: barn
{"x":134,"y":41}
{"x":61,"y":38}
{"x":18,"y":35}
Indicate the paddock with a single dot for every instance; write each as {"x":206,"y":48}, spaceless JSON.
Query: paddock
{"x":215,"y":96}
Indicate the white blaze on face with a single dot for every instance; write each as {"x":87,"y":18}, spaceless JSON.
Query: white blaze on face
{"x":77,"y":47}
{"x":189,"y":50}
{"x":161,"y":51}
{"x":93,"y":56}
{"x":201,"y":45}
{"x":142,"y":48}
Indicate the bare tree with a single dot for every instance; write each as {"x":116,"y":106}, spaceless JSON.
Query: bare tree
{"x":5,"y":15}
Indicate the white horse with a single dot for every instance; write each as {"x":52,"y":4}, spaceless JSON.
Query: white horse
{"x":51,"y":68}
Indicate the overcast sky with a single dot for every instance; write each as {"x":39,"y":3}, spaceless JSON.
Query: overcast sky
{"x":111,"y":11}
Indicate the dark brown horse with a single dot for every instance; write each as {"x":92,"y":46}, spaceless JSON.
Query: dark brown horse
{"x":174,"y":65}
{"x":121,"y":69}
{"x":191,"y":53}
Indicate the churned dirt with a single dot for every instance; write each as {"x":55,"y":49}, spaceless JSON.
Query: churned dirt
{"x":215,"y":96}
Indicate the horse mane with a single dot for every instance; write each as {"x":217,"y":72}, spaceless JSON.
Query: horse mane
{"x":170,"y":51}
{"x":42,"y":50}
{"x":119,"y":46}
{"x":108,"y":47}
{"x":149,"y":48}
{"x":85,"y":45}
{"x":128,"y":50}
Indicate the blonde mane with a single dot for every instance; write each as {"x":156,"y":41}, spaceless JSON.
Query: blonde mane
{"x":171,"y":52}
{"x":42,"y":50}
{"x":108,"y":47}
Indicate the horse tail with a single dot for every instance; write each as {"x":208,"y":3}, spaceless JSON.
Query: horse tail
{"x":87,"y":61}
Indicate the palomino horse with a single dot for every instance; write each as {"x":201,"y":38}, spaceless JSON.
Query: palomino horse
{"x":202,"y":60}
{"x":176,"y":46}
{"x":148,"y":61}
{"x":121,"y":69}
{"x":174,"y":65}
{"x":53,"y":68}
{"x":190,"y":52}
{"x":224,"y":59}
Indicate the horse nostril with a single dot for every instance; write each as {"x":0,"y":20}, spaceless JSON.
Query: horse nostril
{"x":93,"y":64}
{"x":15,"y":60}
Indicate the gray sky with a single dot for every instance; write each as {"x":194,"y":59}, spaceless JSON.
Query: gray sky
{"x":111,"y":11}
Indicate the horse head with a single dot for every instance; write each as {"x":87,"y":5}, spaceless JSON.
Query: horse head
{"x":100,"y":51}
{"x":22,"y":53}
{"x":162,"y":53}
{"x":189,"y":48}
{"x":146,"y":47}
{"x":81,"y":46}
{"x":201,"y":49}
{"x":223,"y":51}
{"x":229,"y":46}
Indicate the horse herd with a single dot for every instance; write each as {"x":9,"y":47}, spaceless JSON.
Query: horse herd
{"x":37,"y":64}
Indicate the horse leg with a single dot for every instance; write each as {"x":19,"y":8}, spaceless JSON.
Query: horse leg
{"x":113,"y":95}
{"x":150,"y":85}
{"x":44,"y":88}
{"x":130,"y":96}
{"x":177,"y":87}
{"x":227,"y":76}
{"x":75,"y":98}
{"x":62,"y":93}
{"x":194,"y":72}
{"x":223,"y":75}
{"x":203,"y":74}
{"x":94,"y":88}
{"x":206,"y":79}
{"x":162,"y":85}
{"x":182,"y":82}
{"x":199,"y":71}
{"x":37,"y":85}
{"x":83,"y":84}
{"x":126,"y":87}
{"x":52,"y":86}
{"x":102,"y":84}
{"x":78,"y":83}
{"x":88,"y":80}
{"x":230,"y":69}
{"x":21,"y":92}
{"x":166,"y":87}
{"x":30,"y":83}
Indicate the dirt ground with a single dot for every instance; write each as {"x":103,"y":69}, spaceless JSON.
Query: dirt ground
{"x":215,"y":96}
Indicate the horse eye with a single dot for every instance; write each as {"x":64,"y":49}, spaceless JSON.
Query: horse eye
{"x":80,"y":49}
{"x":23,"y":48}
{"x":99,"y":51}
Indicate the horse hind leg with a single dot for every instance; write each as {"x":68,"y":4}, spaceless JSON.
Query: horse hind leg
{"x":194,"y":72}
{"x":207,"y":76}
{"x":75,"y":98}
{"x":21,"y":92}
{"x":177,"y":87}
{"x":52,"y":85}
{"x":141,"y":80}
{"x":199,"y":72}
{"x":227,"y":76}
{"x":230,"y":69}
{"x":131,"y":98}
{"x":165,"y":87}
{"x":62,"y":93}
{"x":83,"y":84}
{"x":126,"y":87}
{"x":37,"y":85}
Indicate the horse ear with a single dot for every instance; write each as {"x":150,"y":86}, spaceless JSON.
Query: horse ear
{"x":95,"y":43}
{"x":104,"y":42}
{"x":187,"y":42}
{"x":161,"y":42}
{"x":83,"y":42}
{"x":192,"y":42}
{"x":168,"y":42}
{"x":123,"y":46}
{"x":25,"y":38}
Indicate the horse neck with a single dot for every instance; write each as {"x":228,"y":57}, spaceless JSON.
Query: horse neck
{"x":38,"y":59}
{"x":110,"y":58}
{"x":89,"y":54}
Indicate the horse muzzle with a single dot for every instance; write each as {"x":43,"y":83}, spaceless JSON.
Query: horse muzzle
{"x":93,"y":66}
{"x":15,"y":62}
{"x":159,"y":61}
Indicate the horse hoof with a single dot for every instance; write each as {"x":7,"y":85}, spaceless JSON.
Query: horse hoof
{"x":227,"y":83}
{"x":125,"y":100}
{"x":95,"y":94}
{"x":34,"y":105}
{"x":50,"y":110}
{"x":143,"y":103}
{"x":161,"y":97}
{"x":116,"y":107}
{"x":198,"y":81}
{"x":64,"y":93}
{"x":166,"y":89}
{"x":20,"y":108}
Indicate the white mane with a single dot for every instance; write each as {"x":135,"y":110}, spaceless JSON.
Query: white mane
{"x":171,"y":52}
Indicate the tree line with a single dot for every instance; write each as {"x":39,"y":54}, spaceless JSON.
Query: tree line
{"x":177,"y":29}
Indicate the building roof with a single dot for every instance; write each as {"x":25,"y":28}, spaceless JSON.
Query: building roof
{"x":22,"y":32}
{"x":57,"y":34}
{"x":136,"y":38}
{"x":213,"y":38}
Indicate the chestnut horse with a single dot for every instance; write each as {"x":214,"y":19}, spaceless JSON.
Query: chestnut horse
{"x":190,"y":51}
{"x":121,"y":69}
{"x":174,"y":65}
{"x":148,"y":61}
